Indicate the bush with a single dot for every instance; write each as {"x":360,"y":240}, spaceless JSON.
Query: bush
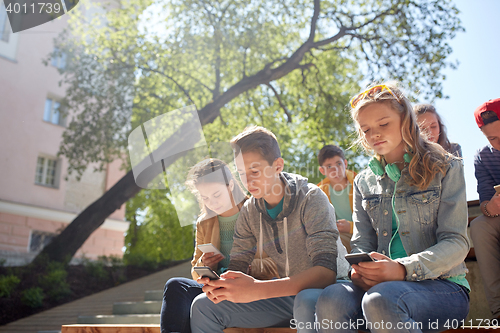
{"x":8,"y":284}
{"x":96,"y":268}
{"x":54,"y":282}
{"x":33,"y":297}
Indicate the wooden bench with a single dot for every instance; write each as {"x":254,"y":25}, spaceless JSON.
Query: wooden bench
{"x":113,"y":328}
{"x":110,"y":328}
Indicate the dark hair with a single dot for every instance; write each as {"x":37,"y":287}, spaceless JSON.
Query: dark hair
{"x":329,"y":151}
{"x":443,"y":140}
{"x":257,"y":139}
{"x":206,"y":172}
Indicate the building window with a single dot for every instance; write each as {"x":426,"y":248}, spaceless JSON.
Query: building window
{"x":40,"y":239}
{"x":52,"y":114}
{"x":58,"y":59}
{"x":4,"y":24}
{"x":47,"y":171}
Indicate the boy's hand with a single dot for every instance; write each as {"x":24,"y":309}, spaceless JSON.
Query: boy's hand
{"x":381,"y":270}
{"x":211,"y":260}
{"x":343,"y":225}
{"x":233,"y":286}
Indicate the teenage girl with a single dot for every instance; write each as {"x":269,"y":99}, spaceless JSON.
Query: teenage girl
{"x":430,"y":124}
{"x":410,"y":215}
{"x":220,"y":198}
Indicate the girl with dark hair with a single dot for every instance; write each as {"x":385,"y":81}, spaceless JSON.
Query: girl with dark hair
{"x":220,"y":198}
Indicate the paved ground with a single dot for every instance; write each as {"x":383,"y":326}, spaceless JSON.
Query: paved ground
{"x":97,"y":304}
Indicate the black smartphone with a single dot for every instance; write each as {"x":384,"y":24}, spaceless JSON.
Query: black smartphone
{"x":355,"y":258}
{"x":206,"y":272}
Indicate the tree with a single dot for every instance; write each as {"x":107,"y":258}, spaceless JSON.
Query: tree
{"x":155,"y":236}
{"x":284,"y":64}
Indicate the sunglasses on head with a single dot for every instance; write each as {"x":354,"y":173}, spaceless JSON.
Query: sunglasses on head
{"x":371,"y":92}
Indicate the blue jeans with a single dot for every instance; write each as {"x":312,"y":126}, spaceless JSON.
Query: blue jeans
{"x":394,"y":306}
{"x":208,"y":317}
{"x":304,"y":309}
{"x":178,"y":295}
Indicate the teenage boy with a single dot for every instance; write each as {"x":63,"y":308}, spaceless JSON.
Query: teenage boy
{"x":485,"y":229}
{"x":295,"y":226}
{"x":338,"y":187}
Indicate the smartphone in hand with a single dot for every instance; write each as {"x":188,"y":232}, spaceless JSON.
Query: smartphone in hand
{"x":355,"y":258}
{"x":204,"y":271}
{"x":497,"y":188}
{"x":207,"y":248}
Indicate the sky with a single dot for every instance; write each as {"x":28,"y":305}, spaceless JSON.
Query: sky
{"x":476,"y":80}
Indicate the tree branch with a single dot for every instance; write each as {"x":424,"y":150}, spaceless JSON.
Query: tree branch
{"x":288,"y":115}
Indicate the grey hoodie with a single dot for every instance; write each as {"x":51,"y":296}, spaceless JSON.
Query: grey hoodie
{"x":302,"y":236}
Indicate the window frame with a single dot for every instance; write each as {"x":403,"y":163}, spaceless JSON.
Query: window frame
{"x":46,"y":238}
{"x":48,"y":115}
{"x":41,"y":176}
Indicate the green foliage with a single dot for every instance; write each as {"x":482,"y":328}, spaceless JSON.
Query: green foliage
{"x":8,"y":284}
{"x":288,"y":65}
{"x":54,"y":281}
{"x":155,"y":235}
{"x":152,"y":57}
{"x":96,"y":269}
{"x":33,"y":297}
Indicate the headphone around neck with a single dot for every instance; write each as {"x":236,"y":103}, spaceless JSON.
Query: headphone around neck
{"x":392,"y":169}
{"x":394,"y":174}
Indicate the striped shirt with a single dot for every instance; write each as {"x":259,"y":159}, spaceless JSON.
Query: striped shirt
{"x":487,"y":171}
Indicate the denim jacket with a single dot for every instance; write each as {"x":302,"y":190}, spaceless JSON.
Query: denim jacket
{"x":432,"y":222}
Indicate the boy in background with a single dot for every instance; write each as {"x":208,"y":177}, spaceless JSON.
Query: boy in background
{"x":338,"y":187}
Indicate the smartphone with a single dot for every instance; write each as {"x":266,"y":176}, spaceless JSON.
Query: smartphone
{"x":207,"y":248}
{"x":206,"y":272}
{"x":356,"y":258}
{"x":497,"y":188}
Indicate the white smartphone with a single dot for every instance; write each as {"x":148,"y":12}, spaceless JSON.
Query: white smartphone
{"x":497,"y":188}
{"x":209,"y":247}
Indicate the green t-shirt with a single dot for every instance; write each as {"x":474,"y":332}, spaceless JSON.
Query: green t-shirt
{"x":273,"y":212}
{"x":340,"y":201}
{"x":226,"y":226}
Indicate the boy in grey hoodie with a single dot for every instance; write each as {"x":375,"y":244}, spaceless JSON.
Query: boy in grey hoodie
{"x":295,"y":225}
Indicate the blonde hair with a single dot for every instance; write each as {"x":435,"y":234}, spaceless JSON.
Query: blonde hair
{"x":206,"y":172}
{"x":428,"y":159}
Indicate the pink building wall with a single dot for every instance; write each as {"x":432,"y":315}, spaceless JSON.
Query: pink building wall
{"x":25,"y":84}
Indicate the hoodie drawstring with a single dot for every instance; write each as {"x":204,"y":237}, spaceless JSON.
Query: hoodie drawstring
{"x":261,"y":244}
{"x":285,"y":229}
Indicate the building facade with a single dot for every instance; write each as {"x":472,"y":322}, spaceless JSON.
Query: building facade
{"x":36,"y":200}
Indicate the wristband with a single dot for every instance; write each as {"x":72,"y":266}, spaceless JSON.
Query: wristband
{"x":488,"y":213}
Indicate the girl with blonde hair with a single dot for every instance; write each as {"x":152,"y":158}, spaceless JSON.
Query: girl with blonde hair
{"x":410,"y":216}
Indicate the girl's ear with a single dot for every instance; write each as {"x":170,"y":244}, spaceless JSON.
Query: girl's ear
{"x":231,"y":185}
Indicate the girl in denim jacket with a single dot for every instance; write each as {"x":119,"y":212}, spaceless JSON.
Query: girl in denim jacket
{"x":410,"y":214}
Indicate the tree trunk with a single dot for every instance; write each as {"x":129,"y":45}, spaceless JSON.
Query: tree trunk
{"x":64,"y":246}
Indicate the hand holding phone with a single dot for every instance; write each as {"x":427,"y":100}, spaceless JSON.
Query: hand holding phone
{"x":356,"y":258}
{"x":206,"y":272}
